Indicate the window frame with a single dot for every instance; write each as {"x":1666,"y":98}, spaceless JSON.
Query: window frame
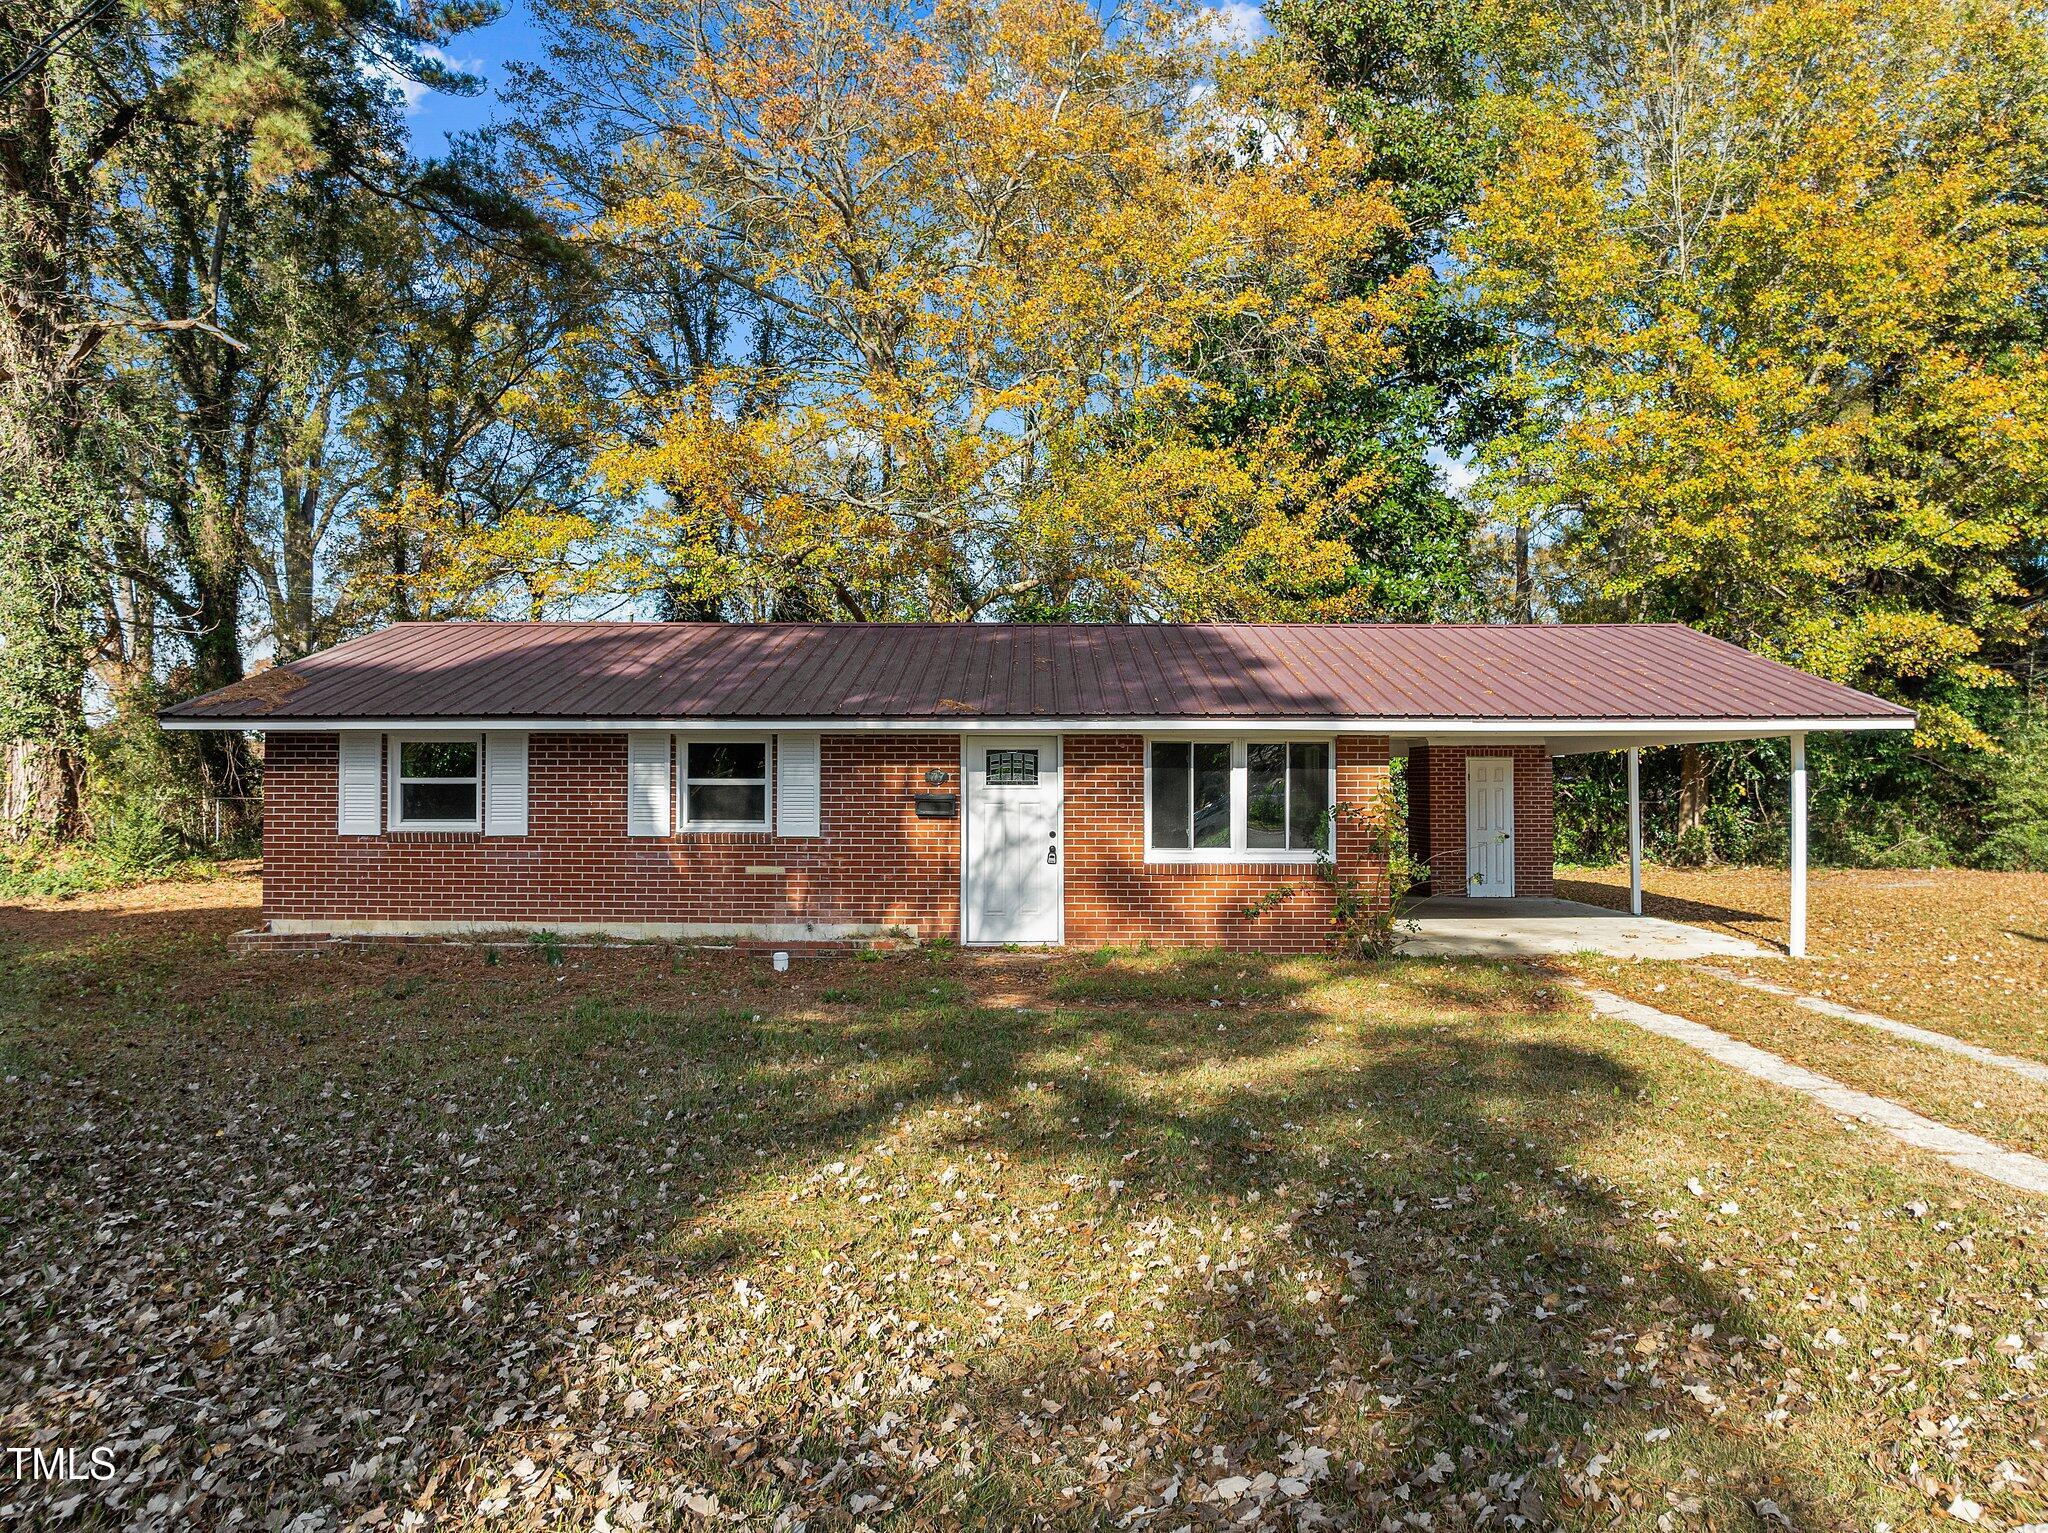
{"x":396,"y":780}
{"x":685,"y":825}
{"x":1239,"y":850}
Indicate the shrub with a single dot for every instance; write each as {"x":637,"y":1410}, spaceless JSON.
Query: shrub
{"x":132,"y":843}
{"x":1694,"y":848}
{"x":1367,"y":924}
{"x":1365,"y":920}
{"x":1878,"y":836}
{"x":37,"y":873}
{"x":134,"y":840}
{"x":1875,"y":801}
{"x":2016,"y":820}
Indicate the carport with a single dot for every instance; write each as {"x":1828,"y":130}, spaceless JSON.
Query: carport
{"x":1751,"y":699}
{"x":1796,"y":803}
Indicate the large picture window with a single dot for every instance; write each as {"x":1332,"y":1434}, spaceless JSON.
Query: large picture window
{"x":1238,"y":800}
{"x":436,"y":782}
{"x":725,"y":784}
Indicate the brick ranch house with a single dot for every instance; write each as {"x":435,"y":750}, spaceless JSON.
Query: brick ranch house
{"x":800,"y":784}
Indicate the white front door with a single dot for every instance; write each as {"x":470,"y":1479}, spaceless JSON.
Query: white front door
{"x":1490,"y":827}
{"x":1013,"y":877}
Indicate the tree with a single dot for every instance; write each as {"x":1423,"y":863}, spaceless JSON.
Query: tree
{"x":466,"y":489}
{"x":1416,"y":80}
{"x":960,"y":285}
{"x":51,"y":146}
{"x":91,"y":136}
{"x":2016,"y":820}
{"x":338,"y":281}
{"x":1769,"y":281}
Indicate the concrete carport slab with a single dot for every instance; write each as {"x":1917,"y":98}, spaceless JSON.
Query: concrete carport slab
{"x":1519,"y":928}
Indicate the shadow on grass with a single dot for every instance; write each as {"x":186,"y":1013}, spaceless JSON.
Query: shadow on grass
{"x":410,"y":1205}
{"x":1669,"y":906}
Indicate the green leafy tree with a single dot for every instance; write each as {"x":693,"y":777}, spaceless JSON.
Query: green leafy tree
{"x":2016,"y":820}
{"x":1414,"y":80}
{"x":185,"y":115}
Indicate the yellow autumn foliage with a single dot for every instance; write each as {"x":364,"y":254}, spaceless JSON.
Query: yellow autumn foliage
{"x":977,"y":261}
{"x":1765,"y":276}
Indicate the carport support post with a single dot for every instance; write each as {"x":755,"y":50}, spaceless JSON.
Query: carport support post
{"x":1635,"y":831}
{"x":1796,"y":946}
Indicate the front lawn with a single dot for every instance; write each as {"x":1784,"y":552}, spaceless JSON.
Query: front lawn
{"x":1956,"y":950}
{"x":526,"y":1237}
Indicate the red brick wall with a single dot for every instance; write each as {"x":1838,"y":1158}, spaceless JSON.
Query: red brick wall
{"x":1115,"y":896}
{"x":1441,"y":771}
{"x":875,"y":865}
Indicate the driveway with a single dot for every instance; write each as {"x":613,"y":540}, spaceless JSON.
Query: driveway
{"x":1517,"y":928}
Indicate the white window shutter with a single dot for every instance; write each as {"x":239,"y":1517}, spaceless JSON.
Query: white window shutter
{"x":796,"y":785}
{"x":648,"y":790}
{"x":359,"y":787}
{"x":505,"y":783}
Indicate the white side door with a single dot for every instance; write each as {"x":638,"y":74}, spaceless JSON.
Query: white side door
{"x":1013,"y":879}
{"x":1490,"y":827}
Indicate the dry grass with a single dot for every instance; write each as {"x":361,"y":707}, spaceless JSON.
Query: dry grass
{"x":1987,"y":1100}
{"x":641,"y":1239}
{"x":1962,"y":952}
{"x":216,"y":907}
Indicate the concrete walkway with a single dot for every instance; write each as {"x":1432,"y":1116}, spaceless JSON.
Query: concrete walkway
{"x":1467,"y":928}
{"x":2012,"y":1168}
{"x":2032,"y":1069}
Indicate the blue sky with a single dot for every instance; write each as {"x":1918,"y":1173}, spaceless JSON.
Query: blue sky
{"x":432,"y":116}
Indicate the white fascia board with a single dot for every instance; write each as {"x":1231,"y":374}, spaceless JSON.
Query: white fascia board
{"x":1620,"y":732}
{"x":1573,"y":740}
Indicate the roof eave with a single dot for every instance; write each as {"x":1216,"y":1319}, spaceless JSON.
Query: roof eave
{"x":1749,"y":727}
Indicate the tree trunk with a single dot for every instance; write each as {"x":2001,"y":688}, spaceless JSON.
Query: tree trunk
{"x":399,"y":608}
{"x":46,"y":597}
{"x":298,"y":551}
{"x":48,"y":485}
{"x":1525,"y":605}
{"x":1692,"y":789}
{"x":216,"y":577}
{"x":42,"y":793}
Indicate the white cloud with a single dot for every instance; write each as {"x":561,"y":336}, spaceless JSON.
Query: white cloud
{"x":1239,"y":23}
{"x":1457,"y":473}
{"x":410,"y":92}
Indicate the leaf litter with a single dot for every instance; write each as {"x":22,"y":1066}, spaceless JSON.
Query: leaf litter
{"x":408,"y":1240}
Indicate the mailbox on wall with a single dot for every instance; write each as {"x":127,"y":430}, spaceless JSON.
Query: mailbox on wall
{"x":938,"y":806}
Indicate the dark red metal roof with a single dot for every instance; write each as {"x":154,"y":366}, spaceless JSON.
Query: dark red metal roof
{"x":1571,"y":673}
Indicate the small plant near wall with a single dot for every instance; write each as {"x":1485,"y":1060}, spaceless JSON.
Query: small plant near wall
{"x":1365,"y":920}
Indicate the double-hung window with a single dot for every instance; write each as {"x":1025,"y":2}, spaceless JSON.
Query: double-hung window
{"x":725,"y":784}
{"x":436,"y":782}
{"x":1245,"y":800}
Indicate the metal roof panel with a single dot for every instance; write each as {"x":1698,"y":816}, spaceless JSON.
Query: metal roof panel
{"x":1269,"y":672}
